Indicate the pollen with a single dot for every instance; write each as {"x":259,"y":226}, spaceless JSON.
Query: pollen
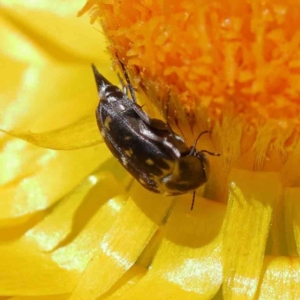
{"x":230,"y":67}
{"x":246,"y":61}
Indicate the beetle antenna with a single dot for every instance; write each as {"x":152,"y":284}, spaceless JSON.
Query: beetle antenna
{"x":196,"y":140}
{"x":131,"y":89}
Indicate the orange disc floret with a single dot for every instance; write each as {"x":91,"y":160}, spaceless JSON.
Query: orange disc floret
{"x":241,"y":55}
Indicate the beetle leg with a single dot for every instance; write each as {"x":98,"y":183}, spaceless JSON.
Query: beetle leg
{"x":210,"y":153}
{"x":154,"y":123}
{"x":125,"y":90}
{"x":124,"y":87}
{"x":193,"y":150}
{"x":167,"y":112}
{"x":130,"y":87}
{"x":193,"y":200}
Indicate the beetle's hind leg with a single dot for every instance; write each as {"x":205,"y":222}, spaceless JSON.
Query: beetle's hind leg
{"x":125,"y":87}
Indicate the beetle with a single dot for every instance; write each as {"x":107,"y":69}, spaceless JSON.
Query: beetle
{"x":147,"y":148}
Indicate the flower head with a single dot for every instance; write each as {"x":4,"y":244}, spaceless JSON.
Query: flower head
{"x":73,"y":223}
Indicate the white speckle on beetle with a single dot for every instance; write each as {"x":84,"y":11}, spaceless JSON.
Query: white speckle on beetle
{"x":124,"y":160}
{"x":122,"y":107}
{"x":149,"y":162}
{"x":107,"y":122}
{"x":128,"y":152}
{"x":142,"y":181}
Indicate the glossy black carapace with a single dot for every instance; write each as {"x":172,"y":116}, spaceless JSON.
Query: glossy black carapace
{"x":147,"y":148}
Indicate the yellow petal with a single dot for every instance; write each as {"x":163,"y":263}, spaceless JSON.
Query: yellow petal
{"x":126,"y":283}
{"x":39,"y":93}
{"x":189,"y":260}
{"x":24,"y":270}
{"x":51,"y":297}
{"x":77,"y":40}
{"x":73,"y":211}
{"x":53,"y":175}
{"x":281,"y":278}
{"x":47,"y":96}
{"x":292,"y":219}
{"x":252,"y":199}
{"x":122,"y":243}
{"x":77,"y":254}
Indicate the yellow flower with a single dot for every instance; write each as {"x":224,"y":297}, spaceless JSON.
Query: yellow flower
{"x":73,"y":223}
{"x":234,"y":68}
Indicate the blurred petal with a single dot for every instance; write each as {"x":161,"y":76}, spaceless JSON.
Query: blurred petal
{"x":42,"y":92}
{"x":81,"y":134}
{"x":46,"y":97}
{"x":77,"y":40}
{"x":57,"y":7}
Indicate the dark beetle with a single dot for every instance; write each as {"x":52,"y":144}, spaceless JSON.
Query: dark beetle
{"x":148,"y":149}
